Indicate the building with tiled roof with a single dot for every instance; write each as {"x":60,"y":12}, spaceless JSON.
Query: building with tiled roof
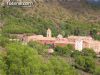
{"x":78,"y":42}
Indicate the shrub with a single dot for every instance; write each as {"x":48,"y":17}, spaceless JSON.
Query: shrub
{"x":41,"y":49}
{"x":85,"y":63}
{"x":61,"y":67}
{"x":97,"y":70}
{"x":22,"y":60}
{"x":2,"y":66}
{"x":76,"y":53}
{"x":89,"y":52}
{"x":3,"y":41}
{"x":66,"y":50}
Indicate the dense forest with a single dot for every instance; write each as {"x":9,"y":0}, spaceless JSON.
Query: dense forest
{"x":34,"y":59}
{"x":65,"y":18}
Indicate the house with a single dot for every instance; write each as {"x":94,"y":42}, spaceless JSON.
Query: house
{"x":78,"y":42}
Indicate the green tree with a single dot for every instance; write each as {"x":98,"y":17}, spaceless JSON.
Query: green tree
{"x":77,"y":31}
{"x":93,"y":32}
{"x":3,"y":41}
{"x":66,"y":50}
{"x":85,"y":63}
{"x":88,"y":52}
{"x":41,"y":49}
{"x":22,"y":60}
{"x":89,"y":64}
{"x":76,"y":53}
{"x":97,"y":70}
{"x":61,"y":67}
{"x":2,"y":66}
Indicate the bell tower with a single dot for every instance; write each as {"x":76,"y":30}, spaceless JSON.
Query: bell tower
{"x":49,"y":33}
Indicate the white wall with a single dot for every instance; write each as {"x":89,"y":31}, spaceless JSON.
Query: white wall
{"x":79,"y":44}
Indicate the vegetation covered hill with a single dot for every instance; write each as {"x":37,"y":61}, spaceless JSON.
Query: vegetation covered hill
{"x":60,"y":16}
{"x":66,"y":18}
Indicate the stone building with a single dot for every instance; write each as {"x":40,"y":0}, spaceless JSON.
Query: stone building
{"x":78,"y":42}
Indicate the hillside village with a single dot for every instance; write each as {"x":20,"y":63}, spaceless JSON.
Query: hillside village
{"x":78,"y":42}
{"x":52,"y":37}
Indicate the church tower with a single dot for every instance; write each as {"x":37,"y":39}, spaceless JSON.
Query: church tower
{"x":49,"y":33}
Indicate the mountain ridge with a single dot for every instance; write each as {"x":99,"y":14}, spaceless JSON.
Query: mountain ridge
{"x":53,"y":14}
